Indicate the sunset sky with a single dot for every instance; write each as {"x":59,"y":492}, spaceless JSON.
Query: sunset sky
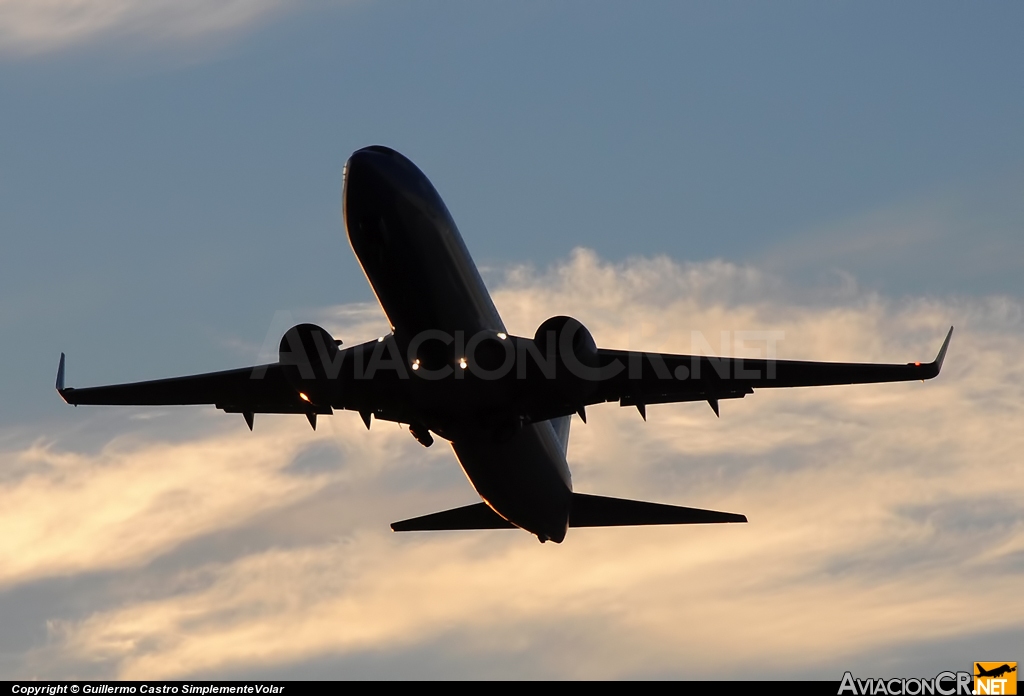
{"x":849,"y":175}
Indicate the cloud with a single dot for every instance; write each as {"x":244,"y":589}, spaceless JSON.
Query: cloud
{"x":36,"y":26}
{"x":964,"y":238}
{"x":886,"y":521}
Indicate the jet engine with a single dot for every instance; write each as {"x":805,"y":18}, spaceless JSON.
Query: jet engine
{"x":315,"y":360}
{"x":569,"y":357}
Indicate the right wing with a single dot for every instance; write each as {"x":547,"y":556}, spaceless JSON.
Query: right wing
{"x":657,"y":378}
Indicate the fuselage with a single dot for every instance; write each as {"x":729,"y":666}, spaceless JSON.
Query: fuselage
{"x":435,"y":300}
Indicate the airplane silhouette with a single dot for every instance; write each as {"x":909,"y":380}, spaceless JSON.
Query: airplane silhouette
{"x":449,"y":368}
{"x":995,"y":671}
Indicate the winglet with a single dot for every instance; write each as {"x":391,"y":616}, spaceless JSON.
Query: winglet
{"x":942,"y":352}
{"x":60,"y":381}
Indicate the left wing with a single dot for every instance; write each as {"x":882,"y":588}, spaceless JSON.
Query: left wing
{"x":637,"y":378}
{"x":248,"y":390}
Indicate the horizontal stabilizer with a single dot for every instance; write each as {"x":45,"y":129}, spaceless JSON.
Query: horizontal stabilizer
{"x":587,"y":511}
{"x":478,"y":516}
{"x":599,"y":511}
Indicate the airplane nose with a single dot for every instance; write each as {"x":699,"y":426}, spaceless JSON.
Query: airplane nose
{"x":388,"y":203}
{"x":366,"y":162}
{"x":382,"y":195}
{"x":378,"y":172}
{"x":377,"y":161}
{"x":379,"y":179}
{"x":379,"y":149}
{"x":368,"y":183}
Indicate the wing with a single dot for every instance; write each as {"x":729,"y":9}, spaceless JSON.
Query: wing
{"x":637,"y":379}
{"x":248,"y":390}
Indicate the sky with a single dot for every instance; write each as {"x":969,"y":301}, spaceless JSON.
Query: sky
{"x":847,"y":175}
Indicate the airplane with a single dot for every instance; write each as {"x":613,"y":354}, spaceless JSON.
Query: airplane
{"x":449,"y":368}
{"x":995,"y":672}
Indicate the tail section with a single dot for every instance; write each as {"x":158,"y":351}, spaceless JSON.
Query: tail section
{"x":586,"y":511}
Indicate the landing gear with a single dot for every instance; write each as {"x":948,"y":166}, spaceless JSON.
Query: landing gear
{"x":422,"y":435}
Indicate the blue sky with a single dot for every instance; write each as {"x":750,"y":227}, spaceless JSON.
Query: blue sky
{"x":170,"y":183}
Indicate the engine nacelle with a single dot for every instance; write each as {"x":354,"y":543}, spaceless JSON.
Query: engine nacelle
{"x":569,"y":356}
{"x":314,"y":356}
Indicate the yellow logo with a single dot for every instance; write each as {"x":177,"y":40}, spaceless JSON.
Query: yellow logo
{"x":995,"y":678}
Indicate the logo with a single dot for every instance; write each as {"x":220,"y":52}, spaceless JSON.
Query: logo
{"x":990,"y":679}
{"x":944,"y":684}
{"x":995,"y":678}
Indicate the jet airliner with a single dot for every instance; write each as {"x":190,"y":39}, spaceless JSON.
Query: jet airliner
{"x":449,"y":368}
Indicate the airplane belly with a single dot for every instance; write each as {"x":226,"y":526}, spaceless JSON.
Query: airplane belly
{"x":525,"y":478}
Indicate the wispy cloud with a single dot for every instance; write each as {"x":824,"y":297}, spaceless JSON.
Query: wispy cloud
{"x":141,"y":498}
{"x":959,"y":238}
{"x":882,"y":517}
{"x":35,"y":26}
